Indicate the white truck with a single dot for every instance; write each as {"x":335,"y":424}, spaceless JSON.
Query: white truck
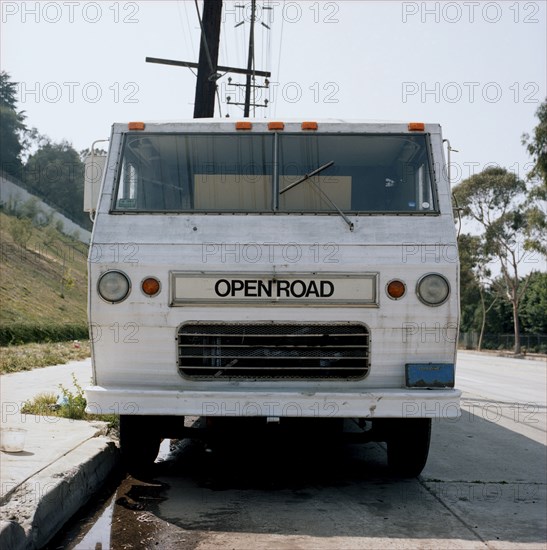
{"x":274,"y":269}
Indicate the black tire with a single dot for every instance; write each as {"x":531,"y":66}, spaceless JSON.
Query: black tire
{"x":407,"y":445}
{"x":139,"y":442}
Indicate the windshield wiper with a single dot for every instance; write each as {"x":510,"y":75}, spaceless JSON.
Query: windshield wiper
{"x":319,"y":190}
{"x":307,"y":177}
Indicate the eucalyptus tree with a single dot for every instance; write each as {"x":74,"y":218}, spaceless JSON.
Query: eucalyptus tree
{"x":536,"y":145}
{"x":497,"y":200}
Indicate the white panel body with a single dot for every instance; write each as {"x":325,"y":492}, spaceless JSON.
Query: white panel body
{"x":134,"y":342}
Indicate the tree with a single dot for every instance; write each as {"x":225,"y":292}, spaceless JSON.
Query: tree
{"x":499,"y":318}
{"x":56,"y":173}
{"x":536,"y":145}
{"x":12,"y":128}
{"x":8,"y":91}
{"x":534,"y":305}
{"x":474,"y":274}
{"x":496,"y":200}
{"x":469,"y":283}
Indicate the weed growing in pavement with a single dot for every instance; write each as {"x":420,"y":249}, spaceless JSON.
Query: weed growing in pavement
{"x":72,"y":403}
{"x":41,"y":405}
{"x":69,"y":404}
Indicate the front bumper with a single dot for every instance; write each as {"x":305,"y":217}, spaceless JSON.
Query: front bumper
{"x":377,"y":403}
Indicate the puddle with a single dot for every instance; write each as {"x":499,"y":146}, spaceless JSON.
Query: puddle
{"x":111,"y":517}
{"x":99,"y":535}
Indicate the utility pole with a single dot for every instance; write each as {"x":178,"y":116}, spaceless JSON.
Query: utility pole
{"x":204,"y":105}
{"x":250,"y":61}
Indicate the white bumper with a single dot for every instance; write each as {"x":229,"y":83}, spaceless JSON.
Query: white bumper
{"x":380,"y":403}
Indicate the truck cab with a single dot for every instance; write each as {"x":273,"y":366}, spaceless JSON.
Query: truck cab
{"x":274,"y":270}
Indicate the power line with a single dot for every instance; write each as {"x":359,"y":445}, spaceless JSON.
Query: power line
{"x":206,"y":87}
{"x":279,"y":60}
{"x":250,"y":85}
{"x":204,"y":40}
{"x":187,"y":36}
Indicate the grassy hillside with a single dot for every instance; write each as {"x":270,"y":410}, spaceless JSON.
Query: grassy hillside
{"x":43,"y":283}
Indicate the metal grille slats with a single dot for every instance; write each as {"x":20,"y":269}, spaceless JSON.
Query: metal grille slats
{"x":273,"y":350}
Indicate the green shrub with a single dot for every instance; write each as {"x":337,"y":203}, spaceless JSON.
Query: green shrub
{"x":20,"y":333}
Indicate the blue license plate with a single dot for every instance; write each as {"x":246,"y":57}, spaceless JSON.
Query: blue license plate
{"x":429,"y":375}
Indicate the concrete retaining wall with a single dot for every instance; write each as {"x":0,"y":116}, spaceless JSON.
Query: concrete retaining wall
{"x":12,"y":193}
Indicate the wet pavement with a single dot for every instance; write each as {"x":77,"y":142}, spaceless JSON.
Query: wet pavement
{"x":266,"y":489}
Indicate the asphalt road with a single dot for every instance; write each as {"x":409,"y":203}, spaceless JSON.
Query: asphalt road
{"x":499,"y":389}
{"x":503,"y":379}
{"x":484,"y":485}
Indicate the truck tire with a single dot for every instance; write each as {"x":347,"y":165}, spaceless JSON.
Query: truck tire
{"x":139,"y":442}
{"x":407,"y":445}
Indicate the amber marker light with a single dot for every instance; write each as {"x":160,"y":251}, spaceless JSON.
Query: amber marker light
{"x":396,"y":289}
{"x":151,"y":286}
{"x":136,"y":126}
{"x":416,"y":126}
{"x":243,"y":125}
{"x":309,"y":125}
{"x":276,"y":125}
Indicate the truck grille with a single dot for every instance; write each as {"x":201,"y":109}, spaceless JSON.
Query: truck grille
{"x":261,"y":351}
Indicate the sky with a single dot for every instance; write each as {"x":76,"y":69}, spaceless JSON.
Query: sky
{"x":477,"y":68}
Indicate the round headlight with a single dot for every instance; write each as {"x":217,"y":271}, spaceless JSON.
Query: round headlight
{"x":113,"y":286}
{"x":433,"y":289}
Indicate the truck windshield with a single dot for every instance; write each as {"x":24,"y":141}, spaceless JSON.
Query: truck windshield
{"x":244,"y":173}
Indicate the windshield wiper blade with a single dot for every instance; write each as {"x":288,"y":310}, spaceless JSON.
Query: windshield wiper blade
{"x":307,"y":177}
{"x":320,"y":191}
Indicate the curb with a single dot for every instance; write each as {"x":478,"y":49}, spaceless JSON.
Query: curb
{"x":40,"y":507}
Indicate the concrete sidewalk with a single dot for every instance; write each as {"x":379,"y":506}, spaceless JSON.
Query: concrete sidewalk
{"x":63,"y":462}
